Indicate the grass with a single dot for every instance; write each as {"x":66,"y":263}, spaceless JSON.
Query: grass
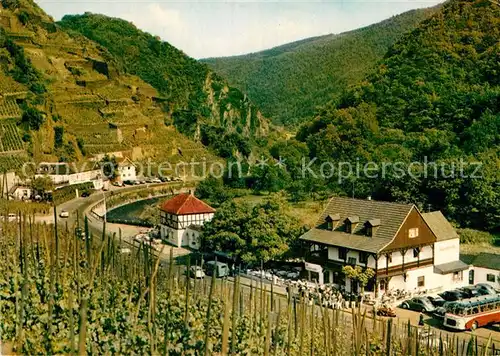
{"x":307,"y":212}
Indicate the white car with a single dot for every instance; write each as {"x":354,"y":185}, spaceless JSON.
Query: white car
{"x":64,"y":214}
{"x":125,"y":250}
{"x":156,"y":180}
{"x":196,"y":272}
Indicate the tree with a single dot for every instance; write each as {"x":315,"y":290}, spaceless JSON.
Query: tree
{"x":359,"y":275}
{"x":253,"y":233}
{"x":269,"y":178}
{"x":213,"y":190}
{"x":41,"y":185}
{"x":109,"y":167}
{"x":58,"y":136}
{"x":32,"y":118}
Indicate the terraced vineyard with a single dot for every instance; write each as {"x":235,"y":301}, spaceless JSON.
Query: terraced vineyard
{"x":10,"y":139}
{"x":12,"y":162}
{"x":9,"y":109}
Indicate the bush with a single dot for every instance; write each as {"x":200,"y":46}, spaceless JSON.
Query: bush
{"x":470,"y":236}
{"x":32,"y":118}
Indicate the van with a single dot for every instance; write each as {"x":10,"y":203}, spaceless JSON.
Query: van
{"x":221,"y":269}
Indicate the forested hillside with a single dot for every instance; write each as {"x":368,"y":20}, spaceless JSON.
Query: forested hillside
{"x":290,"y":81}
{"x":435,"y":97}
{"x":199,"y":102}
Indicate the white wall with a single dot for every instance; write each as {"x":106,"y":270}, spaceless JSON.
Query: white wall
{"x":183,"y":236}
{"x":432,"y":281}
{"x":11,"y":179}
{"x":480,"y":274}
{"x":84,"y":177}
{"x":446,"y":251}
{"x":127,"y":172}
{"x":22,"y":193}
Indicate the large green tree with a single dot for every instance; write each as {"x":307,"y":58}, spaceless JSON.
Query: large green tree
{"x":253,"y":234}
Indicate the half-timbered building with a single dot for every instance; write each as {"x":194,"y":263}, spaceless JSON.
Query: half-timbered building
{"x":181,"y":219}
{"x":407,"y":249}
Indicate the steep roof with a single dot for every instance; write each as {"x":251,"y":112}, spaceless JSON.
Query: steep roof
{"x":390,"y":216}
{"x":184,"y":204}
{"x":440,"y":226}
{"x":487,"y":260}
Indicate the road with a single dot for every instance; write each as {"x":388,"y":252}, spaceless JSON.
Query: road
{"x":80,"y":207}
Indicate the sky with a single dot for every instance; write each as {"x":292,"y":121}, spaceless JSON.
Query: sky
{"x":217,"y":28}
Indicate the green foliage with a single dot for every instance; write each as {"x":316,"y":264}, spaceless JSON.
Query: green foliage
{"x":358,"y":274}
{"x":81,"y":145}
{"x":23,"y":17}
{"x":252,"y":234}
{"x":32,"y":118}
{"x":225,"y":144}
{"x":109,"y":167}
{"x":23,"y":71}
{"x":290,"y":81}
{"x":42,"y":185}
{"x":58,"y":136}
{"x":213,"y":191}
{"x":475,"y":237}
{"x":69,"y":192}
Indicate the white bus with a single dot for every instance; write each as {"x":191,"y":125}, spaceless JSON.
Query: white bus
{"x":469,"y":314}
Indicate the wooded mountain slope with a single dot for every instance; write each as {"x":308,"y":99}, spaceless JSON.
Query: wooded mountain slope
{"x":290,"y":81}
{"x":199,"y":102}
{"x":435,"y":97}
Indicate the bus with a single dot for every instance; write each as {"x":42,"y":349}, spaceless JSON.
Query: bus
{"x":469,"y":314}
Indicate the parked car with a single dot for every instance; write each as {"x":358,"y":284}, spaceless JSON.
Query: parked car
{"x":436,"y":300}
{"x":469,"y":292}
{"x":64,"y":214}
{"x":421,"y":304}
{"x":386,"y":311}
{"x":439,"y":312}
{"x":155,"y":180}
{"x":196,"y":272}
{"x":451,"y":295}
{"x":125,"y":250}
{"x":220,"y":269}
{"x":485,"y":288}
{"x":128,"y":182}
{"x":85,"y":194}
{"x":118,"y":184}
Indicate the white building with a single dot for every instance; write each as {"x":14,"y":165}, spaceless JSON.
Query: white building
{"x":62,"y":173}
{"x":486,"y":269}
{"x":181,"y":219}
{"x":19,"y":192}
{"x":406,"y":249}
{"x":126,"y":170}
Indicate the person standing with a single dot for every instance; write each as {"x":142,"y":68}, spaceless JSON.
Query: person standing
{"x":421,"y":319}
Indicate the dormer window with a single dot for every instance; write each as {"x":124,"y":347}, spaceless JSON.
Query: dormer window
{"x":351,"y":223}
{"x":371,"y":226}
{"x":332,"y":221}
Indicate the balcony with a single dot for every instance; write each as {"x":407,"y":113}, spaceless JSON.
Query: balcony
{"x":383,"y":272}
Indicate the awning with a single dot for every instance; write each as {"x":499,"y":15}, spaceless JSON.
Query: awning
{"x":451,"y":267}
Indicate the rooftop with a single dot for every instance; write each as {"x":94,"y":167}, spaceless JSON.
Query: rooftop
{"x":386,"y":215}
{"x":440,"y":226}
{"x":185,"y":204}
{"x":487,"y":260}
